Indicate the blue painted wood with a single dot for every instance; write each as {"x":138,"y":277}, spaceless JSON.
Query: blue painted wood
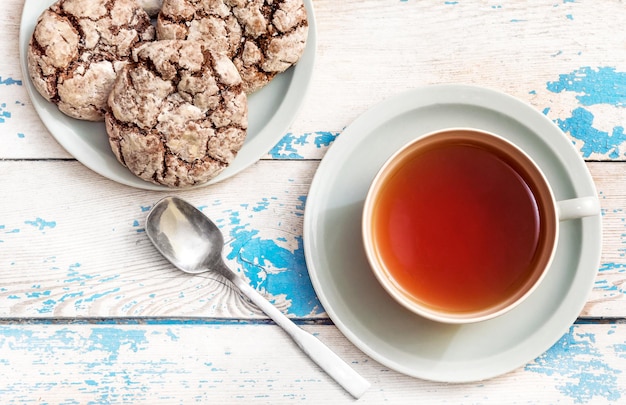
{"x":593,"y":86}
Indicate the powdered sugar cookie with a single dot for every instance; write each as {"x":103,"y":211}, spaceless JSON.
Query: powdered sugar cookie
{"x":178,"y":115}
{"x":78,"y":46}
{"x":263,"y":37}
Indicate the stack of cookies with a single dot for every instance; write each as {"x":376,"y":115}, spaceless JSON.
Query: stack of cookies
{"x":173,"y":94}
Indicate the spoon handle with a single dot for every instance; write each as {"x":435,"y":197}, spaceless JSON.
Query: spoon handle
{"x":334,"y":366}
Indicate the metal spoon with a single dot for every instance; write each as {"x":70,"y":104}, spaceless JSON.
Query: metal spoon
{"x":193,"y":243}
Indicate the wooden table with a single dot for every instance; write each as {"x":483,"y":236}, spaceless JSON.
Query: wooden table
{"x":92,"y":314}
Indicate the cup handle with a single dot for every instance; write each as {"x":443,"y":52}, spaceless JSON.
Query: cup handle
{"x":578,"y":208}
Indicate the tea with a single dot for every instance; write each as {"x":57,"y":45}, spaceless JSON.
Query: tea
{"x":457,"y":226}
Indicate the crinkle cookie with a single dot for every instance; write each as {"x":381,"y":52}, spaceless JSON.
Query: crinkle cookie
{"x":78,"y":46}
{"x":178,"y":115}
{"x":263,"y":37}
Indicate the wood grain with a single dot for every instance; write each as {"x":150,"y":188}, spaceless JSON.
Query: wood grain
{"x":170,"y":363}
{"x":88,"y":255}
{"x":92,"y":314}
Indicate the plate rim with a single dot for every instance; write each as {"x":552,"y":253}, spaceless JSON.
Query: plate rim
{"x":252,"y":151}
{"x":404,"y":101}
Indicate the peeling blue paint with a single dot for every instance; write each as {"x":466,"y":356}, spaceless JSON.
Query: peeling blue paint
{"x":605,"y":286}
{"x":611,"y":266}
{"x":582,"y":366}
{"x":580,"y":126}
{"x":47,"y":307}
{"x":287,"y":273}
{"x":286,"y":147}
{"x":172,"y":335}
{"x":615,"y":288}
{"x":41,"y":224}
{"x":38,"y":294}
{"x":270,"y":264}
{"x":4,"y":113}
{"x":9,"y":81}
{"x":96,"y":296}
{"x":137,"y":224}
{"x":300,"y":208}
{"x":302,"y":200}
{"x":111,"y":341}
{"x":291,"y":145}
{"x":73,"y":295}
{"x":234,"y":218}
{"x":325,"y":138}
{"x":110,"y":278}
{"x":4,"y":230}
{"x":620,"y":350}
{"x":603,"y":85}
{"x":261,"y":206}
{"x":272,"y":267}
{"x":73,"y":275}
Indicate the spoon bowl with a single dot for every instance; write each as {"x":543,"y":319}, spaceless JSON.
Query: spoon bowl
{"x":185,"y":236}
{"x":193,"y":243}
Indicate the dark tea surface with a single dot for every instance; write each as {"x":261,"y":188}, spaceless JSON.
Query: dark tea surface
{"x":457,"y":226}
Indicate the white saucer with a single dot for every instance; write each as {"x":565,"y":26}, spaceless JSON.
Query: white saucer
{"x":360,"y":307}
{"x":270,"y":112}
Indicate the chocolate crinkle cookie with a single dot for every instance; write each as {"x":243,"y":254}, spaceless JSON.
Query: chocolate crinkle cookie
{"x":178,"y":114}
{"x":262,"y":37}
{"x":77,"y":48}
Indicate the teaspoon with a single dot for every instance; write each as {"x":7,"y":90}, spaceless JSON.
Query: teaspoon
{"x":193,"y":243}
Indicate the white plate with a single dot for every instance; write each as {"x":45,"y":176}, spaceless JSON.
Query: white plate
{"x":270,"y":112}
{"x":360,"y":307}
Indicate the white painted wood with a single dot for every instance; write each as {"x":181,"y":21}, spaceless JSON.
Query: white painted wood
{"x":72,"y":244}
{"x":371,"y":50}
{"x":82,"y":251}
{"x":165,"y":364}
{"x":322,"y":355}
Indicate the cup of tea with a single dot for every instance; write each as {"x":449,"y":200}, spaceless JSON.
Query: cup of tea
{"x":461,"y":225}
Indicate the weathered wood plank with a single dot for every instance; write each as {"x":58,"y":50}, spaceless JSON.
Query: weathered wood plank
{"x":213,"y":363}
{"x":81,"y":250}
{"x":610,"y":287}
{"x":556,"y":56}
{"x":566,"y":59}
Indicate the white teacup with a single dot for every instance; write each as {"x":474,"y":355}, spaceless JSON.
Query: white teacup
{"x":461,"y":225}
